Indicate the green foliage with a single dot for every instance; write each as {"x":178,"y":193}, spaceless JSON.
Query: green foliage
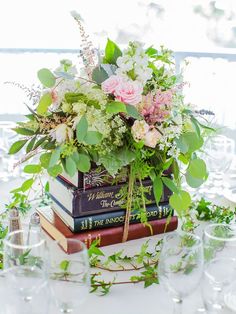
{"x":46,"y":77}
{"x":55,"y":170}
{"x":93,"y":138}
{"x":32,"y":169}
{"x":81,"y":129}
{"x":112,"y":52}
{"x":99,"y":75}
{"x":157,"y":189}
{"x":189,"y":142}
{"x":70,"y":166}
{"x":44,"y":103}
{"x":180,"y":201}
{"x":208,"y":211}
{"x":116,"y":107}
{"x":17,"y":146}
{"x":82,"y":162}
{"x":23,"y":131}
{"x":133,"y":112}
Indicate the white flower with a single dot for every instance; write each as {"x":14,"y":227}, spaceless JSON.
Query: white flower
{"x":61,"y":133}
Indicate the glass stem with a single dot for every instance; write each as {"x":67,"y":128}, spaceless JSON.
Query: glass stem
{"x":177,"y":306}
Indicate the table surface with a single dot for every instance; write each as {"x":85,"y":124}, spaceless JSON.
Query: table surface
{"x":128,"y":299}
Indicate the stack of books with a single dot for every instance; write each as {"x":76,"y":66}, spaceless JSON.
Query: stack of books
{"x":88,"y":207}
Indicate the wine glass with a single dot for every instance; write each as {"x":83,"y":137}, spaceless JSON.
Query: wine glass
{"x":69,"y":274}
{"x":25,"y":262}
{"x":219,"y":153}
{"x":219,"y":241}
{"x":180,"y":266}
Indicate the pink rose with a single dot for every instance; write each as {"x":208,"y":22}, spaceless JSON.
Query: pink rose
{"x":109,"y":85}
{"x":151,"y":138}
{"x":129,"y":92}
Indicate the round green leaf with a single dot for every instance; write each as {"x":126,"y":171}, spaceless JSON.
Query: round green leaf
{"x":133,"y":112}
{"x":99,"y":75}
{"x":44,"y":103}
{"x":15,"y":147}
{"x":93,"y":138}
{"x":193,"y":182}
{"x":180,"y":201}
{"x":46,"y":78}
{"x":197,"y":169}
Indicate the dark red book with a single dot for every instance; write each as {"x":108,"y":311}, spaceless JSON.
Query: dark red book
{"x":57,"y":229}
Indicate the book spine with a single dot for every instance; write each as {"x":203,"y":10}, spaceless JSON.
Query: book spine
{"x":97,"y":200}
{"x":109,"y":219}
{"x":114,"y":235}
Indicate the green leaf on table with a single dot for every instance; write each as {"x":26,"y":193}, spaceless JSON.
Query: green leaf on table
{"x":16,"y":147}
{"x":82,"y":162}
{"x":45,"y":160}
{"x":81,"y":129}
{"x":197,"y":169}
{"x":55,"y":157}
{"x":157,"y":189}
{"x":70,"y":166}
{"x":180,"y":201}
{"x":32,"y":169}
{"x":99,"y":75}
{"x":170,"y":184}
{"x":116,"y":107}
{"x":44,"y":102}
{"x":112,"y":52}
{"x":133,"y":112}
{"x":94,"y":250}
{"x":46,"y":77}
{"x":93,"y":138}
{"x":27,"y":185}
{"x":55,"y":170}
{"x":64,"y":265}
{"x":23,"y":131}
{"x":30,"y":145}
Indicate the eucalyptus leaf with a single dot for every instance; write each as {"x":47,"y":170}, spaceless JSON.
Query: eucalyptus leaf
{"x":45,"y":159}
{"x":193,"y":182}
{"x":133,"y":112}
{"x":99,"y":75}
{"x":180,"y":201}
{"x":46,"y":77}
{"x":197,"y":169}
{"x":55,"y":157}
{"x":82,"y":163}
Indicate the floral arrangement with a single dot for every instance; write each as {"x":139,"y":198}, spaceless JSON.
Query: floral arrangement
{"x":124,"y":109}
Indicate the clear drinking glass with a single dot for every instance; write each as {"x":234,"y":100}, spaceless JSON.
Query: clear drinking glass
{"x":69,"y":274}
{"x":180,"y":266}
{"x":219,"y":153}
{"x":219,"y":241}
{"x":25,"y":262}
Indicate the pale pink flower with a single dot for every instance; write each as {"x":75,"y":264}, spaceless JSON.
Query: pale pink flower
{"x":139,"y":130}
{"x":129,"y":92}
{"x":152,"y":137}
{"x":109,"y":85}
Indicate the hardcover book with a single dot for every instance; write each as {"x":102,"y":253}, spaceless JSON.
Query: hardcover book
{"x":110,"y":219}
{"x":57,"y":229}
{"x":99,"y":200}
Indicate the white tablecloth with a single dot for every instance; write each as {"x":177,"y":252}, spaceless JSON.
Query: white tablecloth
{"x":125,"y":299}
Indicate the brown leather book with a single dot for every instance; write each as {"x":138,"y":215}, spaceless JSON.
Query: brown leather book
{"x":57,"y":229}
